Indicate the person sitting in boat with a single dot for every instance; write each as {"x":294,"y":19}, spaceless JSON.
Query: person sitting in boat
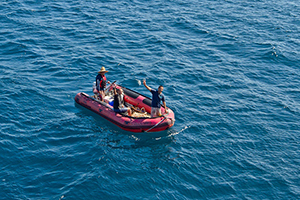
{"x":119,"y":102}
{"x":157,"y":98}
{"x":101,"y":83}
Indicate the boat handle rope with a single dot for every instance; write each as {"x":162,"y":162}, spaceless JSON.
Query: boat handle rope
{"x":156,"y":124}
{"x":165,"y":117}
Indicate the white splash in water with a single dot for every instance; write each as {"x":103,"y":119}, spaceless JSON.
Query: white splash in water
{"x":186,"y":127}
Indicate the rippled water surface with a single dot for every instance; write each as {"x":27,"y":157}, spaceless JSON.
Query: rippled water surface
{"x":230,"y":72}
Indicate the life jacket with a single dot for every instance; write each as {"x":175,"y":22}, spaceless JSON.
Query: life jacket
{"x":103,"y":82}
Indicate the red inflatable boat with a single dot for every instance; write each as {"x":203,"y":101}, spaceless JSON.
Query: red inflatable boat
{"x":141,"y":122}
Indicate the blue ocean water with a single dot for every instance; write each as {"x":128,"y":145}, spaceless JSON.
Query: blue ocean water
{"x":230,"y":72}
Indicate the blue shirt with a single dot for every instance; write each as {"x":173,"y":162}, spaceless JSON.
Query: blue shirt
{"x":156,"y":98}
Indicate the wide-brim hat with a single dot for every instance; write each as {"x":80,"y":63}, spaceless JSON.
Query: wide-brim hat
{"x":102,"y":70}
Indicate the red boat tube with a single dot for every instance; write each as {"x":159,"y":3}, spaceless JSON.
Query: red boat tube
{"x":125,"y":122}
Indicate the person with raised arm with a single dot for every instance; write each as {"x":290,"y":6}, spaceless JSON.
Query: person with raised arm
{"x":157,"y":98}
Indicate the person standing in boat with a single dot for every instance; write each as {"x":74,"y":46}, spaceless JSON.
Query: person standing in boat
{"x":101,"y":83}
{"x":157,"y":98}
{"x":119,"y":102}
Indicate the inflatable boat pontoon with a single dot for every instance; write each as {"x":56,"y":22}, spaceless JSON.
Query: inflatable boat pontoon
{"x":141,"y":122}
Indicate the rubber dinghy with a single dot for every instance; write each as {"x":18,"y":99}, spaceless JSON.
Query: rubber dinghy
{"x":139,"y":121}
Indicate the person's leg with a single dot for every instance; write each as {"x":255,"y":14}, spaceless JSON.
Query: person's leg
{"x":154,"y":112}
{"x":158,"y":111}
{"x":102,"y":94}
{"x":129,"y":112}
{"x":126,"y":109}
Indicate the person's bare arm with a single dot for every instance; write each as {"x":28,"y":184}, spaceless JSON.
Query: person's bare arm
{"x":165,"y":106}
{"x":144,"y":82}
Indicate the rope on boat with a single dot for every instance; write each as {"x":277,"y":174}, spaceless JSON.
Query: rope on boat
{"x":156,"y":124}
